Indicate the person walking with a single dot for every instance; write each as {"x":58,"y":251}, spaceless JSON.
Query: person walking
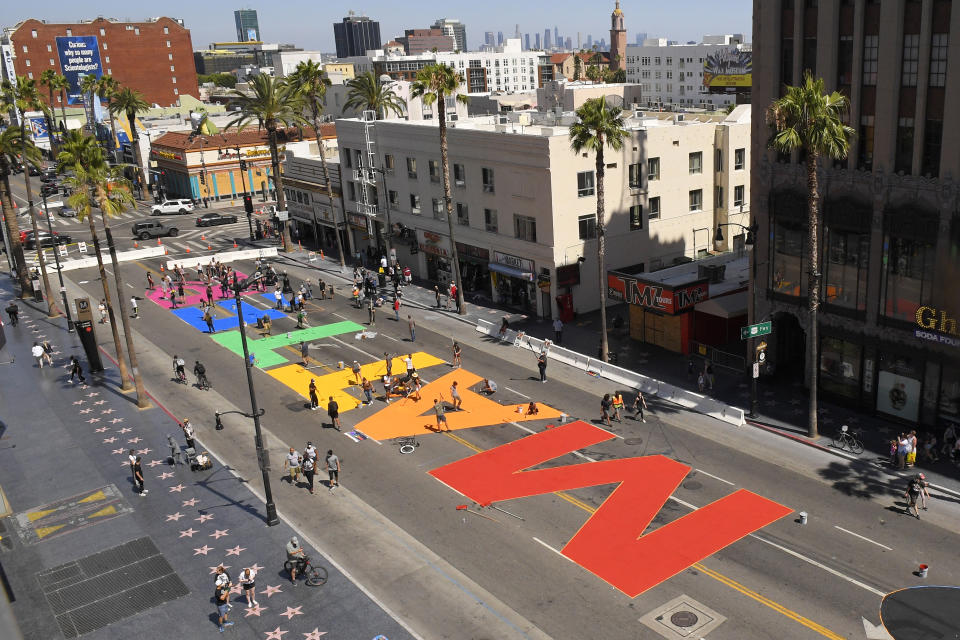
{"x":605,"y":405}
{"x":323,"y":288}
{"x":304,"y":352}
{"x":436,"y":292}
{"x":456,"y":354}
{"x":13,"y":311}
{"x":247,"y":581}
{"x":292,"y":464}
{"x":188,"y":434}
{"x":413,"y":328}
{"x":701,"y":381}
{"x":308,"y":466}
{"x":134,"y":307}
{"x":639,"y":404}
{"x":388,"y":362}
{"x":617,"y":406}
{"x":102,"y":307}
{"x":314,"y":398}
{"x":301,"y":319}
{"x":222,"y":595}
{"x":557,"y":330}
{"x":542,"y":366}
{"x":912,"y":494}
{"x":333,"y":469}
{"x":924,"y":490}
{"x":903,"y":448}
{"x":138,"y":478}
{"x":173,"y":299}
{"x":396,"y":307}
{"x":180,"y":284}
{"x":455,"y":396}
{"x":333,"y":410}
{"x":356,"y":372}
{"x":150,"y":285}
{"x":278,"y":297}
{"x":76,"y":370}
{"x":367,"y":387}
{"x":708,"y":369}
{"x":371,"y":312}
{"x":208,"y":318}
{"x":439,"y":409}
{"x":38,"y":354}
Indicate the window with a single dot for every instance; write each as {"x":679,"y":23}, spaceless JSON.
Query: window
{"x":696,"y":162}
{"x":351,"y":191}
{"x":865,"y":159}
{"x":911,"y":59}
{"x":718,"y":196}
{"x":49,"y":48}
{"x":433,"y":168}
{"x":903,"y":161}
{"x":932,"y":140}
{"x":696,"y":200}
{"x":653,"y":205}
{"x":786,"y":61}
{"x":105,"y":47}
{"x":871,"y":45}
{"x":718,"y":161}
{"x":525,"y":228}
{"x":588,"y":226}
{"x":459,"y":175}
{"x":585,"y":184}
{"x":653,"y":169}
{"x":168,"y":45}
{"x":845,"y":61}
{"x":635,"y":175}
{"x":845,"y":280}
{"x":176,"y":91}
{"x":174,"y":78}
{"x":27,"y":62}
{"x":414,"y":203}
{"x":490,"y":220}
{"x":394,"y":198}
{"x":739,"y":159}
{"x":436,"y":204}
{"x":388,"y":163}
{"x":487,"y":181}
{"x":103,"y":32}
{"x":840,"y":367}
{"x":136,"y":30}
{"x":412,"y":168}
{"x":165,"y":30}
{"x":463,"y":214}
{"x":789,"y":260}
{"x":70,"y":33}
{"x":348,"y":158}
{"x":738,"y":192}
{"x":106,"y":59}
{"x":636,"y":217}
{"x":171,"y":66}
{"x":908,"y":279}
{"x":938,"y":59}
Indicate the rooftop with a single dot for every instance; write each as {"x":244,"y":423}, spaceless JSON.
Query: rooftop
{"x":736,"y":272}
{"x":231,"y":137}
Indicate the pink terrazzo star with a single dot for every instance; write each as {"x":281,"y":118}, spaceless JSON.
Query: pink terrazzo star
{"x":177,"y":488}
{"x":257,"y":568}
{"x":269,"y":591}
{"x":144,"y":452}
{"x":134,"y":440}
{"x":276,"y":634}
{"x":92,"y":420}
{"x":116,"y":420}
{"x":99,"y":402}
{"x":219,"y":533}
{"x":116,"y":451}
{"x":174,"y":516}
{"x":191,"y":502}
{"x":79,"y":401}
{"x":92,"y":394}
{"x":101,"y":429}
{"x":187,"y":533}
{"x":314,"y":635}
{"x":154,"y":463}
{"x":255,"y":610}
{"x":125,"y":463}
{"x":202,"y":551}
{"x":165,"y":475}
{"x":204,"y":517}
{"x":124,"y":430}
{"x":213,"y":570}
{"x":84,"y":411}
{"x":237,"y":588}
{"x":110,"y":440}
{"x":107,"y":411}
{"x":293,"y":611}
{"x":236,"y":550}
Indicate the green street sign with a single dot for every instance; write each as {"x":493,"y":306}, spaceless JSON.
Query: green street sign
{"x":756,"y":330}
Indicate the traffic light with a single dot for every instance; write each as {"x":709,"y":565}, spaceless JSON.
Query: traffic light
{"x":243,"y":165}
{"x":203,"y":178}
{"x":248,"y":203}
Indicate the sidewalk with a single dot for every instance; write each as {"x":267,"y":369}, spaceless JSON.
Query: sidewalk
{"x":82,"y":551}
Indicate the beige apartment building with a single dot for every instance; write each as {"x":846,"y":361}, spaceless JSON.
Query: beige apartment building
{"x":525,"y":204}
{"x":890,"y":236}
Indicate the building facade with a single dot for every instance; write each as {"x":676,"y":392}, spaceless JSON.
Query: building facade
{"x":313,"y":213}
{"x":356,"y":35}
{"x":618,"y":40}
{"x":672,"y":74}
{"x":525,"y":204}
{"x":155,"y":57}
{"x":890,"y":212}
{"x":416,"y":41}
{"x":454,"y":28}
{"x":248,"y":26}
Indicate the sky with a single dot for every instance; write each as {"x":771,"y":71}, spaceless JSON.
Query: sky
{"x":308,"y":23}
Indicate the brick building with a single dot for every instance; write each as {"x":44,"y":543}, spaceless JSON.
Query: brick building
{"x":155,"y":57}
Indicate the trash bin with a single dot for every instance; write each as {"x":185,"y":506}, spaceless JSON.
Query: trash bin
{"x":37,"y":291}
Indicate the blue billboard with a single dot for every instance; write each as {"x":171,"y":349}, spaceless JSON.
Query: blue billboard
{"x":38,"y":128}
{"x":79,"y":57}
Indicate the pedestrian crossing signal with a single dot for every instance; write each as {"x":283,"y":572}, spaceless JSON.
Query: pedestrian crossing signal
{"x":248,"y":203}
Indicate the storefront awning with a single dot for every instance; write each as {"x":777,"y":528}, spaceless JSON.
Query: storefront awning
{"x":727,"y":307}
{"x":510,"y":271}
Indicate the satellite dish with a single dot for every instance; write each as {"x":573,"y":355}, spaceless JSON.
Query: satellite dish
{"x":384,"y":79}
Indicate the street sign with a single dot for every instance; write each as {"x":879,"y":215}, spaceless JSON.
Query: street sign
{"x":283,"y":215}
{"x":756,"y":330}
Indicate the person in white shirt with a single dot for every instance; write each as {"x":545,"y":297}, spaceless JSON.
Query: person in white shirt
{"x":40,"y":355}
{"x":249,"y":586}
{"x":557,"y":330}
{"x":133,"y":307}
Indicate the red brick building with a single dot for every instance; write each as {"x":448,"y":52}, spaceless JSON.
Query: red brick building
{"x":154,"y":57}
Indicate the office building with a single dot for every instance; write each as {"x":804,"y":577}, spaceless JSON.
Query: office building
{"x":589,"y":41}
{"x":488,"y":39}
{"x":248,"y":27}
{"x":546,"y":39}
{"x":536,"y":43}
{"x":641,"y":36}
{"x":890,"y":238}
{"x":417,"y":41}
{"x":499,"y":38}
{"x":453,"y":28}
{"x":356,"y":35}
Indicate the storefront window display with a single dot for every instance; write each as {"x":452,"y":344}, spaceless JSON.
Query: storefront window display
{"x":909,"y":259}
{"x":949,"y":402}
{"x":840,"y":367}
{"x":789,"y":252}
{"x":514,"y":292}
{"x":899,"y":384}
{"x":845,"y":281}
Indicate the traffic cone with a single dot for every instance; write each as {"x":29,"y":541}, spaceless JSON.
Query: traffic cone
{"x":234,"y":244}
{"x":209,"y":248}
{"x":136,"y":245}
{"x":321,"y":254}
{"x":188,"y":249}
{"x":203,"y":237}
{"x":161,"y":268}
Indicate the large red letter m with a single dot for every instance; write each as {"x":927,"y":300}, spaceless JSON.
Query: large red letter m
{"x":612,"y":544}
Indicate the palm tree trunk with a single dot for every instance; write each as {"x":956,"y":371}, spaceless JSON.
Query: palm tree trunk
{"x":113,"y":136}
{"x":142,"y":401}
{"x":601,"y":255}
{"x":326,"y":178}
{"x":51,"y":126}
{"x":13,"y":233}
{"x":121,"y":362}
{"x":813,"y":367}
{"x":63,"y":107}
{"x":447,"y":201}
{"x":132,"y":118}
{"x":51,"y":304}
{"x":278,"y":185}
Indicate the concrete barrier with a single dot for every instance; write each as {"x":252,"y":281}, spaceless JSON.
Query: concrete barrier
{"x":122,"y":256}
{"x":225,"y":257}
{"x":650,"y":386}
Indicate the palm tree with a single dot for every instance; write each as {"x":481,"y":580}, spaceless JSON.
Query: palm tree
{"x":51,"y":80}
{"x":599,"y":126}
{"x":83,"y":156}
{"x":88,"y":87}
{"x":130,"y":102}
{"x":367,"y":93}
{"x":61,"y":84}
{"x":24,"y":96}
{"x":809,"y":120}
{"x":312,"y":84}
{"x":12,"y":147}
{"x":107,"y":87}
{"x":272,"y":103}
{"x":433,"y":84}
{"x":577,"y":64}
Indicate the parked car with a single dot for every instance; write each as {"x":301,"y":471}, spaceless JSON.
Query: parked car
{"x":172,"y":206}
{"x":153,"y":229}
{"x":27,"y":239}
{"x":211,"y":219}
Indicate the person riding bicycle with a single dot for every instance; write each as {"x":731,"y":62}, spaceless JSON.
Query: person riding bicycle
{"x":296,"y":557}
{"x":201,"y":372}
{"x":178,"y":365}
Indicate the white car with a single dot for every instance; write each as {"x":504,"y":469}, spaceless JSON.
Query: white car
{"x":172,"y":206}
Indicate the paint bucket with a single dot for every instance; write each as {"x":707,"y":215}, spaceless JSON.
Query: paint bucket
{"x":922,"y":570}
{"x":803,"y":517}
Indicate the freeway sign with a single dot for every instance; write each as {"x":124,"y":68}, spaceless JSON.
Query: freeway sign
{"x":756,"y":330}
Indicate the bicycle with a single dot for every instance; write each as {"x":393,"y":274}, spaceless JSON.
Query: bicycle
{"x":202,"y":382}
{"x":407,"y":444}
{"x":314,"y":575}
{"x":180,"y":376}
{"x":846,"y":439}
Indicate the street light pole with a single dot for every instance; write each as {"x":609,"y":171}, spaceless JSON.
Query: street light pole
{"x":262,"y":460}
{"x":243,"y":181}
{"x":752,"y":308}
{"x":56,"y":257}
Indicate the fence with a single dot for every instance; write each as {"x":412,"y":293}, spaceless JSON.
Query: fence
{"x":719,"y":358}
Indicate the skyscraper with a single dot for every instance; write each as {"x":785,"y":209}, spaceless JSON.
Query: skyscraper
{"x":546,"y":39}
{"x":641,"y":36}
{"x":526,"y":41}
{"x":537,"y":43}
{"x":516,"y":32}
{"x":569,"y":43}
{"x":499,"y":38}
{"x":488,"y":38}
{"x":556,"y":36}
{"x":589,"y":41}
{"x":248,"y":27}
{"x":455,"y":28}
{"x":356,"y":35}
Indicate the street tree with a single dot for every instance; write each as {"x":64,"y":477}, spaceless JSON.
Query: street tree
{"x":130,"y":102}
{"x":434,"y":83}
{"x":599,"y":126}
{"x":11,"y":149}
{"x":809,"y":120}
{"x":367,"y":93}
{"x":51,"y":80}
{"x":107,"y":87}
{"x":270,"y":103}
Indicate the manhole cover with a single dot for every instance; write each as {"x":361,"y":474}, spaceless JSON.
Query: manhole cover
{"x":633,"y":441}
{"x":692,"y":485}
{"x":684,"y":618}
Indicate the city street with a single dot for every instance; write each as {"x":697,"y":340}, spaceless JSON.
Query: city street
{"x":446,"y":572}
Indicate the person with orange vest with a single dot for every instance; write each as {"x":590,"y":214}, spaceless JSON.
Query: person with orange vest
{"x":617,"y":406}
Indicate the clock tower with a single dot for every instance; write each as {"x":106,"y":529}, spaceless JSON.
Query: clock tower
{"x":618,"y":39}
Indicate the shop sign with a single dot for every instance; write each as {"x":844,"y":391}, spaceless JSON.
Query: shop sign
{"x":473,"y":252}
{"x":431,"y":244}
{"x":166,"y":155}
{"x":939,"y":321}
{"x":521,"y":264}
{"x":357,"y":220}
{"x":937,"y":337}
{"x":543,"y":282}
{"x":259,"y":152}
{"x":568,"y":275}
{"x":656,"y":296}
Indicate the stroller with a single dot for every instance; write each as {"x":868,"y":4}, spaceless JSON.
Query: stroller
{"x":198,"y":461}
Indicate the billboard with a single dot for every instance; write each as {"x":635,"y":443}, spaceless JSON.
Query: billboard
{"x":252,"y":35}
{"x":79,"y":57}
{"x":38,"y":128}
{"x":656,"y":296}
{"x":729,"y":67}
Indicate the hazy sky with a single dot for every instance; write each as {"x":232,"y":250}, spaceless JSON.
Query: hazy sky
{"x":308,"y":24}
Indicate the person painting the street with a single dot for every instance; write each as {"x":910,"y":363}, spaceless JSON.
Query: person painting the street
{"x":314,"y":398}
{"x":455,"y":395}
{"x":439,"y":409}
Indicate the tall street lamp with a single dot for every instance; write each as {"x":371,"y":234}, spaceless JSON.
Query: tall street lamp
{"x":752,"y":307}
{"x":263,"y":460}
{"x":247,"y":198}
{"x":56,"y":257}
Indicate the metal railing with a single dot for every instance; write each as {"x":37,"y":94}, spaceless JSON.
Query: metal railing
{"x":719,"y":358}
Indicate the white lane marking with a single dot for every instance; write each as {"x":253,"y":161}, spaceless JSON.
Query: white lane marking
{"x":390,"y":337}
{"x":340,"y":316}
{"x":857,"y":535}
{"x":556,"y":551}
{"x":585,"y":457}
{"x":523,"y":428}
{"x":714,"y":477}
{"x":128,"y":284}
{"x":522,"y":395}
